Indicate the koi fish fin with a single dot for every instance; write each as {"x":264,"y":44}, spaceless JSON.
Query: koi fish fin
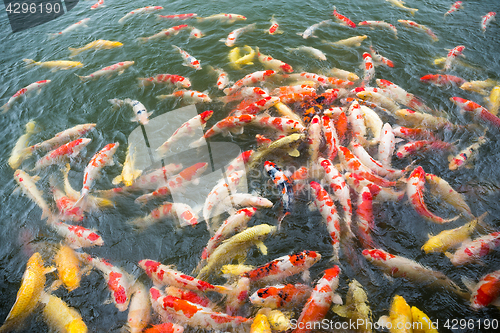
{"x":469,"y":283}
{"x":117,"y":180}
{"x":306,"y":275}
{"x":142,"y":40}
{"x":384,"y":321}
{"x":336,"y":299}
{"x":119,"y":73}
{"x":5,"y":108}
{"x":223,"y":289}
{"x":262,"y":247}
{"x":449,"y":255}
{"x":29,"y":62}
{"x":83,"y":78}
{"x":294,"y":153}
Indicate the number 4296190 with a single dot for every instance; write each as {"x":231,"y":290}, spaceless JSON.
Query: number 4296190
{"x":455,"y":324}
{"x":32,"y":8}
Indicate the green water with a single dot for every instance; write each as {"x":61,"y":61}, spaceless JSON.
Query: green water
{"x":66,"y":102}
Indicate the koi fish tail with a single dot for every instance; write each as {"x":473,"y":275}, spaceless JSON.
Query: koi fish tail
{"x":81,"y":202}
{"x":413,"y":11}
{"x":161,"y":97}
{"x":73,"y":51}
{"x":5,"y":108}
{"x":224,"y":290}
{"x":143,"y":82}
{"x":29,"y":62}
{"x":280,"y":219}
{"x":52,"y":36}
{"x":83,"y":78}
{"x":142,"y":40}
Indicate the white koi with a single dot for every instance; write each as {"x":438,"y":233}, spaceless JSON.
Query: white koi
{"x":189,"y":60}
{"x":35,"y":86}
{"x":119,"y":68}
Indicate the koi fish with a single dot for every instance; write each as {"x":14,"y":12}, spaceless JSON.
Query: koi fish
{"x":233,"y":35}
{"x":281,"y":296}
{"x":414,"y":190}
{"x":98,"y":4}
{"x":348,"y":42}
{"x":171,"y":79}
{"x":494,"y":100}
{"x":486,"y":291}
{"x":222,"y":78}
{"x":74,"y":195}
{"x":99,"y":44}
{"x":310,"y":31}
{"x":403,"y":267}
{"x":481,"y":87}
{"x":188,"y":96}
{"x":357,"y":122}
{"x":379,"y":24}
{"x":229,"y":18}
{"x":63,"y":137}
{"x":189,"y":295}
{"x":28,"y":186}
{"x":68,"y":267}
{"x":242,"y":200}
{"x":165,"y":328}
{"x":143,"y":10}
{"x":399,"y":315}
{"x":401,"y":96}
{"x":29,"y":293}
{"x":118,"y":281}
{"x":141,"y":115}
{"x":343,"y":74}
{"x":400,"y":4}
{"x":189,"y":60}
{"x":322,"y":297}
{"x":441,"y":187}
{"x":379,"y":59}
{"x":60,"y":317}
{"x":139,"y":311}
{"x":356,"y":307}
{"x":477,"y":110}
{"x":365,"y":158}
{"x":422,"y":120}
{"x":165,"y":33}
{"x":447,"y":239}
{"x":129,"y":172}
{"x":466,"y":155}
{"x":472,"y":251}
{"x":260,"y":324}
{"x":331,"y":137}
{"x":62,"y":154}
{"x":274,"y":64}
{"x":368,"y":69}
{"x":195,"y":33}
{"x":165,"y":275}
{"x":318,"y":54}
{"x":72,"y":27}
{"x":327,"y":209}
{"x":342,"y":19}
{"x":379,"y":193}
{"x":285,"y":186}
{"x":237,"y":60}
{"x":413,"y":133}
{"x":65,"y":205}
{"x":193,"y":314}
{"x":249,"y":79}
{"x":119,"y":68}
{"x":283,"y":267}
{"x":102,"y":158}
{"x":452,"y":55}
{"x":176,"y":16}
{"x":182,"y":212}
{"x":486,"y":19}
{"x":20,"y":152}
{"x":76,"y":236}
{"x":442,"y":80}
{"x":415,"y":25}
{"x":29,"y":89}
{"x":386,"y":146}
{"x":280,"y":124}
{"x":55,"y":65}
{"x":364,"y":214}
{"x":379,"y":100}
{"x":454,"y":7}
{"x":236,"y":246}
{"x":258,"y":106}
{"x":274,"y":28}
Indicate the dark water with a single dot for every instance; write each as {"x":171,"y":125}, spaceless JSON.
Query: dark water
{"x":66,"y":102}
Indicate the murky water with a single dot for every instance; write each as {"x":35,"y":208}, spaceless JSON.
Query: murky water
{"x":66,"y":102}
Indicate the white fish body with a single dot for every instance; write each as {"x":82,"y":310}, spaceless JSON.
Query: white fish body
{"x":318,"y":54}
{"x":75,"y":26}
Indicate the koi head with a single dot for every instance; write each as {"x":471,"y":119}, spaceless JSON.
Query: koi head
{"x":150,"y":267}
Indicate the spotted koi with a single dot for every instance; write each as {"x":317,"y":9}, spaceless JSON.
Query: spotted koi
{"x":466,"y":155}
{"x":342,"y":19}
{"x":35,"y":86}
{"x":477,"y":110}
{"x":171,"y":79}
{"x":76,"y":236}
{"x":473,"y":250}
{"x":281,"y":296}
{"x":177,"y":16}
{"x":119,"y":68}
{"x":452,"y":55}
{"x":273,"y":64}
{"x":143,"y":10}
{"x":189,"y":60}
{"x":457,"y":5}
{"x":233,"y":35}
{"x":250,"y":79}
{"x":486,"y":19}
{"x":486,"y":291}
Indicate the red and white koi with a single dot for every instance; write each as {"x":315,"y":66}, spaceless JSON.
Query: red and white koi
{"x":189,"y":60}
{"x":222,"y":79}
{"x":193,"y":314}
{"x":183,"y":213}
{"x":195,"y":33}
{"x":233,"y":124}
{"x":274,"y":28}
{"x":281,"y":296}
{"x":233,"y":35}
{"x":250,"y":93}
{"x":292,"y":94}
{"x":472,"y":251}
{"x":177,"y":16}
{"x":188,"y":129}
{"x":379,"y":100}
{"x":422,"y":146}
{"x":66,"y":206}
{"x":241,"y":200}
{"x":280,"y":124}
{"x":320,"y":301}
{"x":330,"y":135}
{"x":401,"y":96}
{"x":221,"y":191}
{"x":188,"y":96}
{"x":119,"y":68}
{"x":442,"y":80}
{"x":452,"y":55}
{"x":413,"y":133}
{"x":379,"y":59}
{"x":28,"y":186}
{"x":314,"y":137}
{"x":189,"y":295}
{"x":379,"y":24}
{"x":283,"y":267}
{"x":422,"y":120}
{"x":258,"y":106}
{"x":98,"y":4}
{"x":77,"y":236}
{"x":328,"y":210}
{"x":62,"y":154}
{"x":403,"y":267}
{"x":102,"y":158}
{"x":415,"y":25}
{"x":117,"y":280}
{"x":357,"y":122}
{"x":364,"y":214}
{"x":486,"y":291}
{"x":454,"y":7}
{"x":365,"y":158}
{"x":165,"y":33}
{"x":304,"y":76}
{"x":229,"y":18}
{"x":171,"y":79}
{"x":386,"y":145}
{"x":368,"y":69}
{"x":250,"y":79}
{"x":318,"y":54}
{"x":143,"y":10}
{"x":75,"y":26}
{"x":379,"y":193}
{"x":141,"y":115}
{"x":415,"y":192}
{"x":35,"y":86}
{"x":63,"y":137}
{"x":310,"y":31}
{"x":477,"y":110}
{"x":274,"y":64}
{"x":486,"y":19}
{"x":466,"y":155}
{"x":139,"y":311}
{"x":342,"y":19}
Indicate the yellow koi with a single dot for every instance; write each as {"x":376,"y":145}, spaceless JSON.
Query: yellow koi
{"x":421,"y":322}
{"x":30,"y":292}
{"x":494,"y":100}
{"x":260,"y":324}
{"x":129,"y":173}
{"x":99,"y":44}
{"x":399,"y":318}
{"x":349,"y":42}
{"x":55,"y":65}
{"x":480,"y":87}
{"x":68,"y":268}
{"x":60,"y":317}
{"x":356,"y":307}
{"x":21,"y":150}
{"x":247,"y":58}
{"x":400,"y":4}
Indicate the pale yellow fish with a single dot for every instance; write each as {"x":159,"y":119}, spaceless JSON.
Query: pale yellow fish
{"x":343,"y":74}
{"x":21,"y":150}
{"x":29,"y":293}
{"x":442,"y":60}
{"x":99,"y":44}
{"x":129,"y":172}
{"x":443,"y":189}
{"x":60,"y":317}
{"x":27,"y":185}
{"x":421,"y":322}
{"x":288,"y":142}
{"x":400,"y":4}
{"x":349,"y":42}
{"x":55,"y":65}
{"x":418,"y":119}
{"x":494,"y":100}
{"x":247,"y":58}
{"x":451,"y":238}
{"x":356,"y":307}
{"x":235,"y":270}
{"x":286,"y":112}
{"x":481,"y":87}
